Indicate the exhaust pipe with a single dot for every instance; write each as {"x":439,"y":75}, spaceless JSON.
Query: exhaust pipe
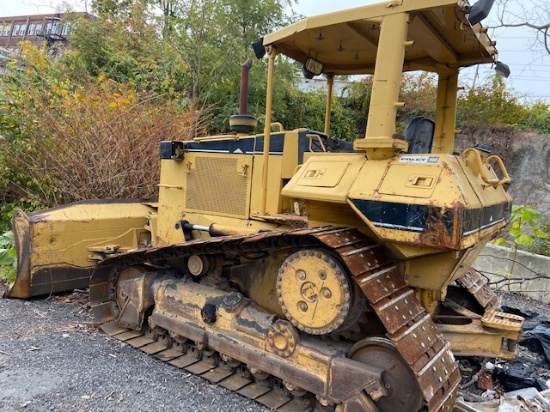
{"x":243,"y":123}
{"x":245,"y":75}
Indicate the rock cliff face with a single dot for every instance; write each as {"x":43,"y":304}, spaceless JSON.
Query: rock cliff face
{"x":527,"y":158}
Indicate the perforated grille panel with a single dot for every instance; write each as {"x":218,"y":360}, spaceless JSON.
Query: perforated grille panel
{"x":214,"y":185}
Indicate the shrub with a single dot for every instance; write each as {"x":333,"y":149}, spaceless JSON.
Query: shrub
{"x":489,"y":104}
{"x":527,"y":230}
{"x":537,"y":118}
{"x":70,"y":139}
{"x":419,"y":93}
{"x":541,"y":244}
{"x":8,"y":258}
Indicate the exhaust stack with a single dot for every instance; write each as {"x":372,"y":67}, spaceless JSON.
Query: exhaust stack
{"x":243,"y":122}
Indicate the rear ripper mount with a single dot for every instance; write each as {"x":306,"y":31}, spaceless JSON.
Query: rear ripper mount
{"x":230,"y":340}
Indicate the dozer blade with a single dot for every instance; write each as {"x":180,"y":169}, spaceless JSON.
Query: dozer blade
{"x":58,"y":248}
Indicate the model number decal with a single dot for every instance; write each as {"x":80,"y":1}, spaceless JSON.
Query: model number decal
{"x":420,"y":159}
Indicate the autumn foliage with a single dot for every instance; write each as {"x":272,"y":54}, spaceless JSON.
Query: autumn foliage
{"x":67,"y":139}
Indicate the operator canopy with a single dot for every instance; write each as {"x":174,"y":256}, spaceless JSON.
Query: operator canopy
{"x":346,"y":42}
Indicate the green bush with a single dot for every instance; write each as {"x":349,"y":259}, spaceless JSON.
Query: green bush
{"x":419,"y":93}
{"x":489,"y":104}
{"x":537,"y":118}
{"x":8,"y":258}
{"x":356,"y":103}
{"x":527,"y":231}
{"x":541,"y":245}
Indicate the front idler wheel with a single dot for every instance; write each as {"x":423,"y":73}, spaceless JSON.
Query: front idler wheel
{"x":404,"y":394}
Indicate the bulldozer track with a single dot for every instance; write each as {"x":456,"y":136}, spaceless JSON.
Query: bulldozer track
{"x":408,"y":326}
{"x":477,"y":286}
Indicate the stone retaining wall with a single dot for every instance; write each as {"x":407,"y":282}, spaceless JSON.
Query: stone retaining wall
{"x":517,"y":271}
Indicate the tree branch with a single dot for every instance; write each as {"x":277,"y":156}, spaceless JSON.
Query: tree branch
{"x":534,"y":16}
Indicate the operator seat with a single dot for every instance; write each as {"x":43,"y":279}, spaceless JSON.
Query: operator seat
{"x":420,"y":135}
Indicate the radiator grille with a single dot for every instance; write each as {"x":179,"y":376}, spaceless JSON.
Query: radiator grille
{"x":215,"y":186}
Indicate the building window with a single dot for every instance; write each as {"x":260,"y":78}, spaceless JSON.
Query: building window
{"x":48,"y":28}
{"x":55,"y":27}
{"x":66,"y":29}
{"x":32,"y":28}
{"x":6,"y":31}
{"x":38,"y":29}
{"x":22,"y":29}
{"x":15,"y":30}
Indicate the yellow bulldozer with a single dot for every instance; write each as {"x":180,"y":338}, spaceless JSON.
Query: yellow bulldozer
{"x":302,"y":270}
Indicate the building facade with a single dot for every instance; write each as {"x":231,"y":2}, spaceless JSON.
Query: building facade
{"x":38,"y":28}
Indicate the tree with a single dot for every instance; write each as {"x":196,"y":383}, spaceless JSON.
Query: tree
{"x":533,"y":14}
{"x":128,"y":48}
{"x":192,"y":47}
{"x":111,"y":7}
{"x":213,"y":38}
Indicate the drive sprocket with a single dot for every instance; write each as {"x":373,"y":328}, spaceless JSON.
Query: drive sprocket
{"x":314,"y":291}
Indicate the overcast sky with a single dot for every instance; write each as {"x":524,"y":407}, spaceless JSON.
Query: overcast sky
{"x":530,"y":70}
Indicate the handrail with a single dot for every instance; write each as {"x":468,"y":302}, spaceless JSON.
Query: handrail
{"x":506,"y":178}
{"x":219,"y":137}
{"x":311,"y":136}
{"x":481,"y":166}
{"x":279,"y":125}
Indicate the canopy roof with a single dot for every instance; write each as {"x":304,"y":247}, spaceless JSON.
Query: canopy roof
{"x":346,"y":42}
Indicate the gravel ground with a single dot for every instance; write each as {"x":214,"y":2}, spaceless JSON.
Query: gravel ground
{"x":53,"y":359}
